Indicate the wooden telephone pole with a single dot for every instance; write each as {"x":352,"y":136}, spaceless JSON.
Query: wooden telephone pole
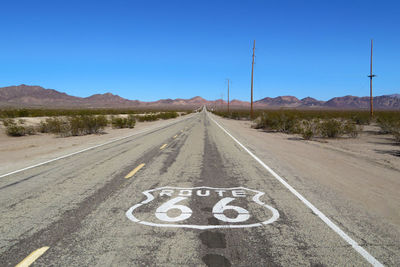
{"x":371,"y":99}
{"x":228,"y":95}
{"x":252,"y":71}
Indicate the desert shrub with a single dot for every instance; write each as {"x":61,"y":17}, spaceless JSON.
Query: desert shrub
{"x":235,"y":115}
{"x":168,"y":115}
{"x":53,"y":125}
{"x":281,"y":122}
{"x":38,"y":112}
{"x":19,"y":130}
{"x":361,"y":118}
{"x":307,"y":133}
{"x":396,"y":136}
{"x":30,"y":130}
{"x":123,"y":122}
{"x":351,"y":129}
{"x":162,"y":115}
{"x":308,"y":128}
{"x":390,"y":125}
{"x":15,"y":130}
{"x":74,"y":125}
{"x":331,"y":128}
{"x":86,"y":124}
{"x":7,"y":122}
{"x":149,"y":117}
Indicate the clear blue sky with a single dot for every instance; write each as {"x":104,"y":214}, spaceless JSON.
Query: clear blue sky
{"x":149,"y":50}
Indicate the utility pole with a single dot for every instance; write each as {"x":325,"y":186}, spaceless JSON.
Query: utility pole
{"x":228,"y":95}
{"x":222,"y":102}
{"x":371,"y":99}
{"x":252,"y":71}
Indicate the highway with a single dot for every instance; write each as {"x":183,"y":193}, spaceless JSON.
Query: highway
{"x":186,"y":194}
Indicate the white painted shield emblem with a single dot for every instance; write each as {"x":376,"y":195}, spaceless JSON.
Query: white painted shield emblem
{"x":203,"y":208}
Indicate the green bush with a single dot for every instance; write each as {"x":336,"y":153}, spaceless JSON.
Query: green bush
{"x":87,"y":124}
{"x":390,"y":125}
{"x":168,"y":115}
{"x":37,"y":112}
{"x":351,"y":129}
{"x":308,"y":128}
{"x":53,"y":125}
{"x":18,"y":130}
{"x":7,"y":122}
{"x":123,"y":122}
{"x":15,"y":130}
{"x":147,"y":118}
{"x":74,"y":125}
{"x":153,"y":117}
{"x":361,"y":118}
{"x":281,"y":122}
{"x":331,"y":128}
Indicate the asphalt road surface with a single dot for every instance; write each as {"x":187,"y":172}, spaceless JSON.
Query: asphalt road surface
{"x":186,"y":194}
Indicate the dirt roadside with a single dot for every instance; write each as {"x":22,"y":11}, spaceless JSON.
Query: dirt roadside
{"x":20,"y":152}
{"x":364,"y":172}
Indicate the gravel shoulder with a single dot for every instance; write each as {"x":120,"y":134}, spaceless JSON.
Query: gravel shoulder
{"x":353,"y":168}
{"x":348,"y":180}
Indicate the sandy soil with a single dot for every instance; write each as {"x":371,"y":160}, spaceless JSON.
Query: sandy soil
{"x":20,"y":152}
{"x":365,"y":171}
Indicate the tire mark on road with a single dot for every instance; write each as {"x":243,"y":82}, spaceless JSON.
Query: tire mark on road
{"x":70,"y":221}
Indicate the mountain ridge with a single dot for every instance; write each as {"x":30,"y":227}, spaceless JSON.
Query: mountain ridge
{"x":37,"y":96}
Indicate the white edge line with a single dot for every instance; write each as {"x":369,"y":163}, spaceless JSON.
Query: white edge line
{"x":322,"y":216}
{"x":89,"y":148}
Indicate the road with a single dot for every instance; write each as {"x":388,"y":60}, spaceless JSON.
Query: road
{"x":186,"y":194}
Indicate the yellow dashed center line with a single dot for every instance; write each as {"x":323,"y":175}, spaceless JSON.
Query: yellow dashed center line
{"x":163,"y":146}
{"x":32,"y":257}
{"x":135,"y":170}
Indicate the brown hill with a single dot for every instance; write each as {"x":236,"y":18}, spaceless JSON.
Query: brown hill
{"x":311,"y":102}
{"x":355,"y":102}
{"x":36,"y":96}
{"x":281,"y":101}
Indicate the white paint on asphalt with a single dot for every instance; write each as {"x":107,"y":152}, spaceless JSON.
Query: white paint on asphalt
{"x":218,"y":210}
{"x":322,"y":216}
{"x":89,"y":148}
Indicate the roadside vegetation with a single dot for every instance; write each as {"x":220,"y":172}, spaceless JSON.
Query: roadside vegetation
{"x":390,"y":124}
{"x":77,"y":122}
{"x":320,"y":123}
{"x":74,"y":125}
{"x":161,"y":115}
{"x":37,"y":112}
{"x":123,"y":122}
{"x":14,"y":128}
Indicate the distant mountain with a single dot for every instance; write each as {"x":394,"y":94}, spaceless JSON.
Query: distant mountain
{"x":32,"y":95}
{"x":311,"y":102}
{"x":280,"y":101}
{"x":394,"y":95}
{"x":36,"y":96}
{"x":349,"y":102}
